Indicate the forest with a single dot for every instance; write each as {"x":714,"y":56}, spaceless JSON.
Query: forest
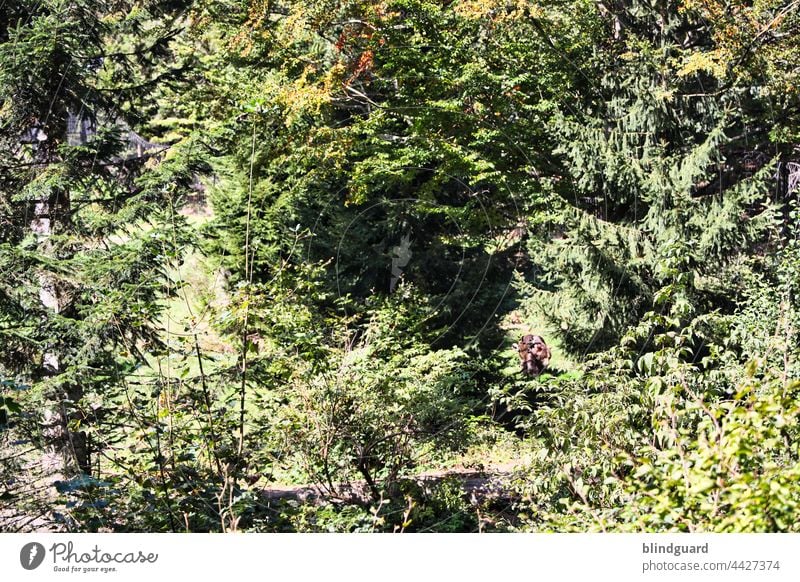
{"x":265,"y":265}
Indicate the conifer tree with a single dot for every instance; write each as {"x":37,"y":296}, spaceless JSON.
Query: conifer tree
{"x":662,"y":163}
{"x":87,"y":205}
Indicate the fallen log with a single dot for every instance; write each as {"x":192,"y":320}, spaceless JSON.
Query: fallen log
{"x":478,"y":485}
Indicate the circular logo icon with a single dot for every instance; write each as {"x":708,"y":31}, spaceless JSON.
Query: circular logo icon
{"x":31,"y":555}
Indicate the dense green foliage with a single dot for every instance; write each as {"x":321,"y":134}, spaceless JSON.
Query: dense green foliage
{"x":396,"y":191}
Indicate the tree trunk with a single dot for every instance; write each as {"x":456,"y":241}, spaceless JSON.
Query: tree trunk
{"x":67,"y":450}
